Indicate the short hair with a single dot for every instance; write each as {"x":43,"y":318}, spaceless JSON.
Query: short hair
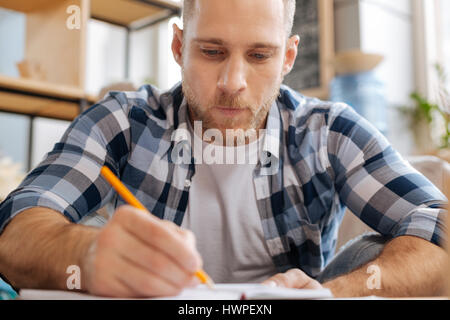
{"x":289,"y":13}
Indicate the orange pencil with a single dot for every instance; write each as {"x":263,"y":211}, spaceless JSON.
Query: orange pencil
{"x":133,"y":201}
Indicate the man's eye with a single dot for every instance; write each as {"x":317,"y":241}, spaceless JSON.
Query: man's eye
{"x":259,"y":56}
{"x":212,"y":53}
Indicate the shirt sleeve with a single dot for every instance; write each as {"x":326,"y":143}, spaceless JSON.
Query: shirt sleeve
{"x":378,"y":185}
{"x":68,"y":179}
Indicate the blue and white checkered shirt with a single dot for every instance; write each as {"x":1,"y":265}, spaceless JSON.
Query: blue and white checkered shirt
{"x":325,"y":156}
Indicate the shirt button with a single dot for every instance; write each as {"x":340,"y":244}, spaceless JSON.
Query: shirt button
{"x":187,"y":183}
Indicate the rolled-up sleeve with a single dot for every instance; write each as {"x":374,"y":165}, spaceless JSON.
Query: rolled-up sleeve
{"x":68,"y":179}
{"x":378,"y":185}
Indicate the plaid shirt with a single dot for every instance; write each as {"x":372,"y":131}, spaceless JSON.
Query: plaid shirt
{"x":322,"y":157}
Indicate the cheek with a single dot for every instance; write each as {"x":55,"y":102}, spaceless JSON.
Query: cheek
{"x":201,"y":79}
{"x":264,"y":81}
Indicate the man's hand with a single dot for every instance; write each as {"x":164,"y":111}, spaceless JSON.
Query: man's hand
{"x":293,"y":278}
{"x":138,"y":255}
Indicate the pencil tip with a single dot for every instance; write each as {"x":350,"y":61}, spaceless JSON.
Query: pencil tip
{"x":210,"y":284}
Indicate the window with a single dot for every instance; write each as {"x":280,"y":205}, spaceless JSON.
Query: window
{"x":52,"y":130}
{"x":444,"y":26}
{"x":432,"y":26}
{"x":106,"y":49}
{"x":444,"y":35}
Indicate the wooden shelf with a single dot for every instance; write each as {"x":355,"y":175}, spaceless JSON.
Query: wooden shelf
{"x":132,"y":13}
{"x":38,"y":106}
{"x":41,"y":88}
{"x":27,"y":6}
{"x":40,"y":99}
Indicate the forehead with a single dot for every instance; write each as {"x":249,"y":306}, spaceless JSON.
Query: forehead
{"x":235,"y":21}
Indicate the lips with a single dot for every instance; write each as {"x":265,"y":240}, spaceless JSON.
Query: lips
{"x":229,"y":112}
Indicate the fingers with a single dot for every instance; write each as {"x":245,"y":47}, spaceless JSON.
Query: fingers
{"x":144,"y":283}
{"x":165,"y":236}
{"x":293,"y":278}
{"x":139,"y":255}
{"x":148,"y":258}
{"x":121,"y":278}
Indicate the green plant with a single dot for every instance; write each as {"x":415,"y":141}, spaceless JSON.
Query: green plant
{"x":425,"y":110}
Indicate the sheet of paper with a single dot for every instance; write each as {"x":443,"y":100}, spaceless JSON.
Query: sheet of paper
{"x":220,"y":292}
{"x":261,"y":292}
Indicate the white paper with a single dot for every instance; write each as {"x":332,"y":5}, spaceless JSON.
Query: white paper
{"x":202,"y":292}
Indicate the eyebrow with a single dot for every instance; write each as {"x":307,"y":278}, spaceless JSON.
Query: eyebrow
{"x":220,"y":42}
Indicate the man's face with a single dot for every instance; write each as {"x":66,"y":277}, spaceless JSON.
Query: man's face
{"x":232,"y":61}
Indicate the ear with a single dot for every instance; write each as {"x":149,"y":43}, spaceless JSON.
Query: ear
{"x":177,"y":44}
{"x":291,"y":54}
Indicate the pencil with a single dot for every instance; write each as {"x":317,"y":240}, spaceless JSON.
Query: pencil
{"x":133,"y":201}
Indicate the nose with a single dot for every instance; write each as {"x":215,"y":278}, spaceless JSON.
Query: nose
{"x":232,"y":79}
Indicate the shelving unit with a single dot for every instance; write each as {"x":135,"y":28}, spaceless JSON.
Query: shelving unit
{"x":61,"y":52}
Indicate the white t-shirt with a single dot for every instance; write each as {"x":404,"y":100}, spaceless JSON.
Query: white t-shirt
{"x":223,"y":215}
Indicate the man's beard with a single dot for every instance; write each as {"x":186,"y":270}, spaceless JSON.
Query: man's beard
{"x":202,"y":111}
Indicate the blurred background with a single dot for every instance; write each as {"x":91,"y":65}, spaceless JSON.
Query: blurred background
{"x":388,"y":59}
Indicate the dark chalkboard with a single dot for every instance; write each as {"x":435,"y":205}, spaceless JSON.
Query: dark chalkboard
{"x":306,"y":71}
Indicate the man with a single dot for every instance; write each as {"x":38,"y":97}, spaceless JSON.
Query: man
{"x":273,"y":221}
